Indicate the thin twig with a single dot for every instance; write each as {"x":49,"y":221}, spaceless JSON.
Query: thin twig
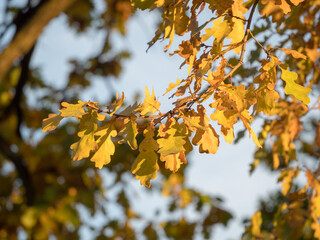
{"x":264,"y":49}
{"x":244,"y":40}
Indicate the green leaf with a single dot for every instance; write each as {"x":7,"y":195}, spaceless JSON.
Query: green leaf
{"x":51,"y":123}
{"x":73,"y":110}
{"x":292,"y":88}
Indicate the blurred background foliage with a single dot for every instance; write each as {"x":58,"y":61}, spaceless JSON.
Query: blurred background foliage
{"x":43,"y":194}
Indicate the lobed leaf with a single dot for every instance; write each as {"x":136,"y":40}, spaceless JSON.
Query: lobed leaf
{"x":52,"y":122}
{"x":292,"y":88}
{"x":150,"y":104}
{"x":145,"y":166}
{"x":88,"y":126}
{"x":73,"y":110}
{"x":105,"y":147}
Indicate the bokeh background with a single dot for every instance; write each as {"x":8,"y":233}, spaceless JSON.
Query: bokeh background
{"x":92,"y":51}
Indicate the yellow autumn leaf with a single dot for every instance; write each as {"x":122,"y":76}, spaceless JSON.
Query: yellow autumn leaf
{"x":113,"y":107}
{"x":73,"y":110}
{"x":292,"y":52}
{"x":228,"y":134}
{"x":226,"y":119}
{"x":246,"y":119}
{"x":172,"y":86}
{"x":171,"y":140}
{"x":169,"y":30}
{"x":287,"y":177}
{"x":222,"y":32}
{"x":51,"y":123}
{"x":296,"y":2}
{"x":272,"y":6}
{"x":256,"y":221}
{"x":315,"y":204}
{"x":292,"y":88}
{"x":145,"y":166}
{"x":210,"y":31}
{"x":237,"y":33}
{"x":150,"y":104}
{"x":88,"y":126}
{"x":131,"y":132}
{"x":106,"y":147}
{"x":266,"y":100}
{"x":207,"y":139}
{"x":173,"y":161}
{"x":81,"y":149}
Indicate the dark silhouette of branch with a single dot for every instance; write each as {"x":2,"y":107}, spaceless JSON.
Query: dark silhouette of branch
{"x":21,"y":168}
{"x":15,"y":104}
{"x":27,"y":35}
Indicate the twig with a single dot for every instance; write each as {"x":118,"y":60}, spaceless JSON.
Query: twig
{"x":264,"y":49}
{"x":244,"y":40}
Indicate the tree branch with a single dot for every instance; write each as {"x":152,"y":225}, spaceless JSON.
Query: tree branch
{"x":22,"y":169}
{"x":15,"y":104}
{"x":26,"y":37}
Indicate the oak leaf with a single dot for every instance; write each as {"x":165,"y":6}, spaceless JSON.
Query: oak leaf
{"x":145,"y":166}
{"x":150,"y":104}
{"x":88,"y":126}
{"x":172,"y":86}
{"x":51,"y":123}
{"x":172,"y":141}
{"x":237,"y":33}
{"x":287,"y":177}
{"x":73,"y":110}
{"x":208,"y":139}
{"x":292,"y":52}
{"x":113,"y":107}
{"x":131,"y":132}
{"x":106,"y":147}
{"x":173,"y":161}
{"x":292,"y":88}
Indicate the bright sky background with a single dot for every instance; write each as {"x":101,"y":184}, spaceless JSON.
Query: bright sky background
{"x":224,"y":174}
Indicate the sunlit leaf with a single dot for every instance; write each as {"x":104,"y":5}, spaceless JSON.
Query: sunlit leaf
{"x":106,"y":147}
{"x":292,"y":88}
{"x":51,"y":123}
{"x":145,"y":166}
{"x":150,"y":104}
{"x":72,"y":110}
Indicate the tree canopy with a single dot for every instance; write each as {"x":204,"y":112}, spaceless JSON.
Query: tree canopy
{"x":244,"y":60}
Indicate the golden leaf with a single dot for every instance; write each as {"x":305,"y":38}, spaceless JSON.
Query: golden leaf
{"x":145,"y":166}
{"x":52,"y":122}
{"x":106,"y":147}
{"x":72,"y":110}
